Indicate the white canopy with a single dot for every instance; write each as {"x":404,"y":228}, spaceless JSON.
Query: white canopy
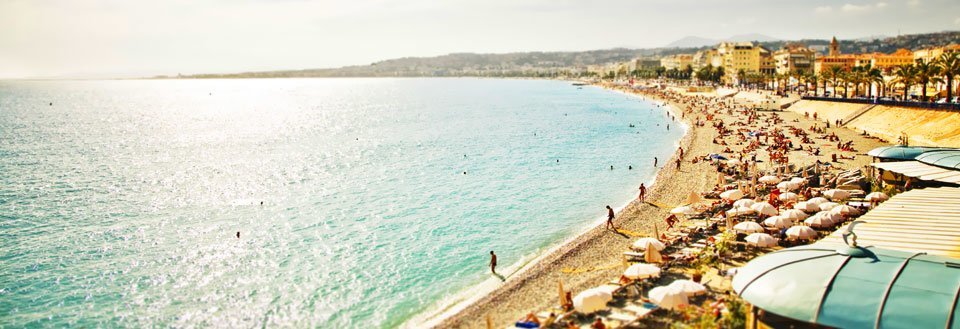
{"x":769,"y":180}
{"x":828,"y":205}
{"x":748,"y":227}
{"x":845,"y":210}
{"x":764,"y":208}
{"x":876,"y":197}
{"x":683,"y":210}
{"x":837,"y":194}
{"x":734,"y":194}
{"x":591,"y":300}
{"x":820,"y":220}
{"x":778,"y":222}
{"x":788,"y":196}
{"x":801,"y":233}
{"x":688,"y":287}
{"x":817,"y":201}
{"x":667,"y":297}
{"x":642,"y":271}
{"x":794,"y":214}
{"x":644,"y":243}
{"x":761,"y":240}
{"x":806,"y":207}
{"x":744,"y":203}
{"x":740,"y":211}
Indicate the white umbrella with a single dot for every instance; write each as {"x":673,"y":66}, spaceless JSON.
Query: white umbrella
{"x":732,"y":195}
{"x":769,"y":180}
{"x":683,"y":210}
{"x":667,"y":297}
{"x":801,"y":233}
{"x":788,"y":196}
{"x":819,"y":220}
{"x":644,"y":243}
{"x":764,"y":208}
{"x":806,"y":207}
{"x":837,"y":194}
{"x":778,"y":222}
{"x":688,"y":287}
{"x":845,"y":210}
{"x":788,"y":186}
{"x":591,"y":300}
{"x":642,"y":271}
{"x":748,"y":227}
{"x":761,"y":240}
{"x":743,"y":203}
{"x":740,"y":211}
{"x":828,"y":205}
{"x":876,"y":197}
{"x":794,"y":214}
{"x":798,"y":180}
{"x":817,"y":201}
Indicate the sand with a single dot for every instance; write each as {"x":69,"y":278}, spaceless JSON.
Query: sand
{"x":534,"y":288}
{"x":923,"y":127}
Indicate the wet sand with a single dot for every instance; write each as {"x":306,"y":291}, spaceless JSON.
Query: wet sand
{"x":534,"y":288}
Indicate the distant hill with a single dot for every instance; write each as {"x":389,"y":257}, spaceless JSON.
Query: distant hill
{"x":548,"y":64}
{"x":695,"y":41}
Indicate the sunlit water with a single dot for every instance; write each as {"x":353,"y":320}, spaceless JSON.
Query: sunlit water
{"x":120,"y":202}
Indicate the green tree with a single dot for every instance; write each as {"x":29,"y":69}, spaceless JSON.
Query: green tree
{"x":906,"y":74}
{"x":926,"y":73}
{"x":949,"y":65}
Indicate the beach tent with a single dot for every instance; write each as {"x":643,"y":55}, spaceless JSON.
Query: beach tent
{"x":832,"y":285}
{"x":778,"y":222}
{"x":876,"y":197}
{"x":794,"y":214}
{"x":591,"y":300}
{"x":788,"y":196}
{"x":644,"y":243}
{"x":731,"y":195}
{"x":764,"y":208}
{"x":762,"y":240}
{"x":837,"y":194}
{"x":642,"y":271}
{"x":801,"y":233}
{"x":748,"y":227}
{"x":668,"y":297}
{"x":688,"y":287}
{"x":744,"y":203}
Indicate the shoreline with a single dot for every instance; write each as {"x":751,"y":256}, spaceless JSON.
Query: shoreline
{"x":455,"y":314}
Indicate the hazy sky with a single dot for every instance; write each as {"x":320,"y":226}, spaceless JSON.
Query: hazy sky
{"x":98,"y":38}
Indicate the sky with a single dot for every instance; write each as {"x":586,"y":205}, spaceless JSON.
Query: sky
{"x":128,"y":38}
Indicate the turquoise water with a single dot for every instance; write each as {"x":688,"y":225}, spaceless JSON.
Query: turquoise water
{"x":120,"y":202}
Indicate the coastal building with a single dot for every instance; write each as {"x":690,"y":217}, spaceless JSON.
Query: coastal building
{"x":706,"y":57}
{"x":886,"y":62}
{"x":678,"y":61}
{"x":930,"y":54}
{"x":794,"y":57}
{"x":737,"y":57}
{"x":768,"y":65}
{"x":646,"y":63}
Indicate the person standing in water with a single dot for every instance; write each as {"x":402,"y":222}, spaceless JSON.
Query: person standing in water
{"x":493,"y":262}
{"x":654,"y":162}
{"x":610,"y":218}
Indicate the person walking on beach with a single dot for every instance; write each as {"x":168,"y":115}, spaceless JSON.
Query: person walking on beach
{"x":643,"y":192}
{"x":610,"y":218}
{"x":493,"y":262}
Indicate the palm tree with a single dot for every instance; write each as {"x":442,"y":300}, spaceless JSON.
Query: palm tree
{"x":875,"y":76}
{"x":907,"y":75}
{"x":812,"y":78}
{"x":949,"y":65}
{"x":834,"y":74}
{"x":926,"y":73}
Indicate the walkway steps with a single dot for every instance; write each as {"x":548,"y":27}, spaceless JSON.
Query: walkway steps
{"x":857,"y":114}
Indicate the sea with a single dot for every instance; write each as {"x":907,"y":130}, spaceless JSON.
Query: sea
{"x":337,"y":203}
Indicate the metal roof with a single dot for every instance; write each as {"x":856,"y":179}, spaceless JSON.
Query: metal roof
{"x":922,"y":171}
{"x":900,"y":152}
{"x":883,"y":289}
{"x":943,"y":158}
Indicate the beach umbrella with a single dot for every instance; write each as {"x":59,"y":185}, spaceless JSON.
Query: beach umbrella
{"x":591,"y":300}
{"x":748,"y":227}
{"x":798,"y":181}
{"x":743,"y":203}
{"x":845,"y":210}
{"x":563,"y":293}
{"x":740,"y":211}
{"x":778,"y":222}
{"x":688,"y":287}
{"x":667,"y":297}
{"x":817,"y":201}
{"x":806,"y":207}
{"x":652,"y":255}
{"x":787,"y":186}
{"x":819,"y":220}
{"x":490,"y":321}
{"x":837,"y":194}
{"x":683,"y":210}
{"x":644,"y":243}
{"x":828,"y":205}
{"x":794,"y":214}
{"x":762,"y":240}
{"x":788,"y":196}
{"x":693,"y":197}
{"x":801,"y":233}
{"x":764,"y":208}
{"x":733,"y":194}
{"x":769,"y":180}
{"x":876,"y":197}
{"x":642,"y":271}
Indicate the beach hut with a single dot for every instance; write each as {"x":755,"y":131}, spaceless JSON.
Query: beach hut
{"x":832,"y":285}
{"x":642,"y":271}
{"x":794,"y":214}
{"x":668,"y":297}
{"x":788,"y":197}
{"x":837,"y":194}
{"x":764,"y":208}
{"x":591,"y":300}
{"x":801,"y":233}
{"x":762,"y":240}
{"x":731,"y":195}
{"x":778,"y":222}
{"x":748,"y":227}
{"x":688,"y":287}
{"x":644,"y":243}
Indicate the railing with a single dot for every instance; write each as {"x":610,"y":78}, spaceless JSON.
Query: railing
{"x":926,"y":105}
